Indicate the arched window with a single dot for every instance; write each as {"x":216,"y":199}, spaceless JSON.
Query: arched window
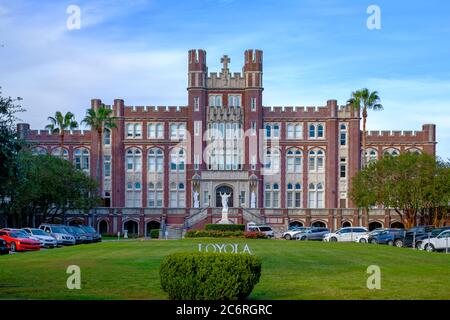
{"x":81,"y":158}
{"x":392,"y":151}
{"x":155,"y":195}
{"x":371,"y":155}
{"x":316,"y":195}
{"x":272,"y":195}
{"x":107,"y":137}
{"x":177,"y":195}
{"x":177,"y":160}
{"x":312,"y":131}
{"x":57,"y":153}
{"x":177,"y":131}
{"x":320,"y":131}
{"x":155,"y":160}
{"x":160,"y":130}
{"x":134,"y":160}
{"x":38,"y":151}
{"x":294,"y":195}
{"x":272,"y":159}
{"x":415,"y":151}
{"x":294,"y":161}
{"x":316,"y":160}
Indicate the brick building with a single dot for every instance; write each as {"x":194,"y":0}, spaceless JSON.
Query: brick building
{"x":165,"y":166}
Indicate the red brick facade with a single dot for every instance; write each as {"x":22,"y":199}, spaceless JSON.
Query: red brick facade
{"x":324,"y":143}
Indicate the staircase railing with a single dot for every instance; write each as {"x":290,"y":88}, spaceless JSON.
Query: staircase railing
{"x":253,"y":216}
{"x":196,"y":217}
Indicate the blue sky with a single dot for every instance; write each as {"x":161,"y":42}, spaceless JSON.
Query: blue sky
{"x":313,"y":51}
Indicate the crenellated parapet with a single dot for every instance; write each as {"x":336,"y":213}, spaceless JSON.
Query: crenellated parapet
{"x":331,"y":110}
{"x":156,"y":111}
{"x":426,"y":135}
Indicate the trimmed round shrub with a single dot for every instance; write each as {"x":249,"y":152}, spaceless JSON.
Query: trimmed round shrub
{"x":154,"y":233}
{"x":209,"y":276}
{"x":225,"y":227}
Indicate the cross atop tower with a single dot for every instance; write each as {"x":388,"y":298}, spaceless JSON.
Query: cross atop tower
{"x":225,"y":60}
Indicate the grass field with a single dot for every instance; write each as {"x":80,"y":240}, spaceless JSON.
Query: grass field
{"x":291,"y":270}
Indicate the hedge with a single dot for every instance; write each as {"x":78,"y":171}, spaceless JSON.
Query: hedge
{"x":209,"y":276}
{"x":154,"y":233}
{"x":213,"y":234}
{"x":225,"y":227}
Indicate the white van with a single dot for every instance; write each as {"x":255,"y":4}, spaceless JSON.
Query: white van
{"x":264,"y":229}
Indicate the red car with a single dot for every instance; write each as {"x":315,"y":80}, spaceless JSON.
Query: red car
{"x":17,"y":242}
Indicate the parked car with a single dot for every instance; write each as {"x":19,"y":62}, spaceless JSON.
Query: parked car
{"x":80,"y":237}
{"x":88,"y":237}
{"x":414,"y":236}
{"x":4,"y":248}
{"x":44,"y":238}
{"x":264,"y":229}
{"x":59,"y":233}
{"x":388,"y":236}
{"x":17,"y":241}
{"x":291,"y":233}
{"x":437,"y":242}
{"x":96,"y":237}
{"x":346,"y":234}
{"x":314,"y":233}
{"x":364,"y":238}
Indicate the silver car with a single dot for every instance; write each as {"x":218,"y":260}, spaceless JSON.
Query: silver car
{"x":314,"y":233}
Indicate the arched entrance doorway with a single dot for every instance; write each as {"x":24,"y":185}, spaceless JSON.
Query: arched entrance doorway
{"x":375,"y":225}
{"x":346,"y":224}
{"x":319,"y":224}
{"x":131,"y":226}
{"x":227,"y":190}
{"x":151,"y":225}
{"x":103,"y":227}
{"x":397,"y":225}
{"x":295,"y":224}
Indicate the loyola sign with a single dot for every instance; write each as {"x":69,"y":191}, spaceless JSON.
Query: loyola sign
{"x":224,"y":248}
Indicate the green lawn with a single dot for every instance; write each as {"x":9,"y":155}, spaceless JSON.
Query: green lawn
{"x":290,"y":270}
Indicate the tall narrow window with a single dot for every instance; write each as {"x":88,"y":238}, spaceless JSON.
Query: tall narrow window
{"x":343,"y":135}
{"x":290,"y":131}
{"x":177,"y":160}
{"x":160,"y":130}
{"x":320,"y":131}
{"x":312,"y":131}
{"x":107,"y":165}
{"x":134,"y":160}
{"x":253,"y":104}
{"x":155,"y":160}
{"x":107,"y":137}
{"x":196,"y":103}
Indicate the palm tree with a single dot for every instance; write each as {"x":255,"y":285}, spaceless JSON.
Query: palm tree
{"x":99,"y":120}
{"x":365,"y":100}
{"x":59,"y":124}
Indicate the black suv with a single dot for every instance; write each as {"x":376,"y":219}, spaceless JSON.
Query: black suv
{"x":414,"y":236}
{"x":388,"y":236}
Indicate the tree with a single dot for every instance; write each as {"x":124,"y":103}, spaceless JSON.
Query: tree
{"x":365,"y":100}
{"x":99,"y":120}
{"x":10,"y":145}
{"x":49,"y":187}
{"x":59,"y":124}
{"x":415,"y":186}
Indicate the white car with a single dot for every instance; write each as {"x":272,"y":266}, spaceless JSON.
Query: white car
{"x":439,"y":242}
{"x":264,"y":229}
{"x":347,"y":234}
{"x":46,"y":240}
{"x":291,"y":234}
{"x":364,"y":238}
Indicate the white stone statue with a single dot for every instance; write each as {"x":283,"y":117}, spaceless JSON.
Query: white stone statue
{"x":196,"y":202}
{"x":253,"y":200}
{"x":225,"y":197}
